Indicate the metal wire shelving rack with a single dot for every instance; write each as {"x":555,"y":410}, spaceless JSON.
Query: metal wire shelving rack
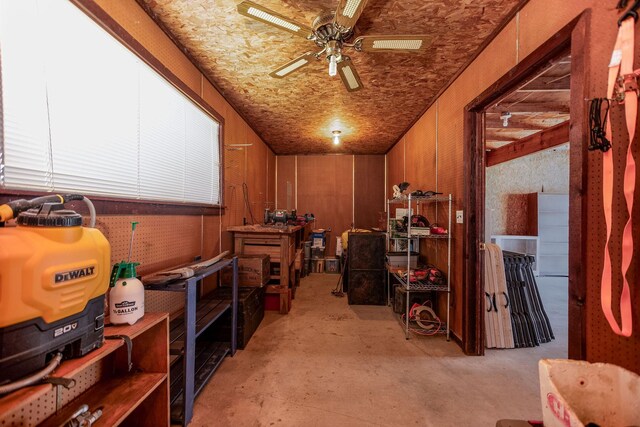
{"x":403,"y":276}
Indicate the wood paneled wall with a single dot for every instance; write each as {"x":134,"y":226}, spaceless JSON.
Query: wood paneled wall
{"x":369,"y":194}
{"x":443,"y":123}
{"x":324,"y":185}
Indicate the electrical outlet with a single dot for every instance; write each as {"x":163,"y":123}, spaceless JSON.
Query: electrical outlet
{"x":459,"y":217}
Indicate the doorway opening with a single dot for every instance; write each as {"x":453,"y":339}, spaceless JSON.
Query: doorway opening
{"x":520,"y":127}
{"x":526,"y":212}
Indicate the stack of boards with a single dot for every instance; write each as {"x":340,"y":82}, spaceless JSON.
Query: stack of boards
{"x":514,"y":314}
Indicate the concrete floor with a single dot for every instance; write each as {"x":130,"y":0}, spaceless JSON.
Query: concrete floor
{"x":331,"y":364}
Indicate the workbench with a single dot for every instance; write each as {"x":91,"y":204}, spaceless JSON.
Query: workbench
{"x":282,"y":244}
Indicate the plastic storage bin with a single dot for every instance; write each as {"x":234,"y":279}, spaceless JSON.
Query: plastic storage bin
{"x":575,"y":394}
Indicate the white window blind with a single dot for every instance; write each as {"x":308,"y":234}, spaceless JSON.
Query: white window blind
{"x":82,"y":113}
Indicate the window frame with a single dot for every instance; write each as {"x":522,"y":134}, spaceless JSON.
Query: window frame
{"x":124,"y":205}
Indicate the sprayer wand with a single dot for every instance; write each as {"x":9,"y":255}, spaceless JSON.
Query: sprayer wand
{"x":133,"y":231}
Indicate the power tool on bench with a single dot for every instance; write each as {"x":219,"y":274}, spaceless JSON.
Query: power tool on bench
{"x":53,"y":277}
{"x":279,"y":216}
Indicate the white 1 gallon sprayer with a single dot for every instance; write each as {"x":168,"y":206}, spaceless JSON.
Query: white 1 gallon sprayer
{"x":126,"y":292}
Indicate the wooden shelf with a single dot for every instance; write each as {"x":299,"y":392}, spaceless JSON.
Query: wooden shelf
{"x":132,"y":331}
{"x":117,"y":396}
{"x":118,"y":392}
{"x":73,"y":366}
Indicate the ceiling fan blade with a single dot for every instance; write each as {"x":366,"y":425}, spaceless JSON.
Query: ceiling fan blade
{"x":262,"y":14}
{"x":349,"y":75}
{"x":292,"y":66}
{"x":348,"y":12}
{"x":414,"y":43}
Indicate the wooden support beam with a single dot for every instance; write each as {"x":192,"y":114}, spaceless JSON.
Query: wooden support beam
{"x":550,"y":137}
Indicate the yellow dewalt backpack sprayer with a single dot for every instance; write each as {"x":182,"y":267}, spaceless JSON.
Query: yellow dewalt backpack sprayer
{"x":53,"y":276}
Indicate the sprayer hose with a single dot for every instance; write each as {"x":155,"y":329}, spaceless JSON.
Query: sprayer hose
{"x":92,"y":212}
{"x":33,"y":378}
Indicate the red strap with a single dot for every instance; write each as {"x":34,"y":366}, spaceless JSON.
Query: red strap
{"x":621,"y":66}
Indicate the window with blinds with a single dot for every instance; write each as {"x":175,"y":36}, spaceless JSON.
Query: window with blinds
{"x":82,"y":113}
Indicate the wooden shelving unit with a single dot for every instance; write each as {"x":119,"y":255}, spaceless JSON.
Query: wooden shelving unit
{"x":137,"y":397}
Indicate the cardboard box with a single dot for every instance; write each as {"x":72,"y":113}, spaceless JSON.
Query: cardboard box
{"x":253,"y":270}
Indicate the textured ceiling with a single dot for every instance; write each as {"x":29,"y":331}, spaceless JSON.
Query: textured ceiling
{"x":296,"y":115}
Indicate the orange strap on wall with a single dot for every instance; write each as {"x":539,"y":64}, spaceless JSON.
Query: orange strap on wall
{"x":623,"y":87}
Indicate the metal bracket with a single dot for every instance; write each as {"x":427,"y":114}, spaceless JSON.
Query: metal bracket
{"x":129,"y":344}
{"x":64,"y":382}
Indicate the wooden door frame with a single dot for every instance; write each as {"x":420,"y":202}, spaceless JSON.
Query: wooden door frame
{"x":573,"y":37}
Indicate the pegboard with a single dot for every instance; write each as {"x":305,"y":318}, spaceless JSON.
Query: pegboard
{"x":33,"y":413}
{"x":84,"y":379}
{"x":602,"y":345}
{"x":55,"y":399}
{"x":160,"y":242}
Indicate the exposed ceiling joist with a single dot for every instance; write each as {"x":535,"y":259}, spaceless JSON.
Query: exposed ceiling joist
{"x":532,"y":107}
{"x":543,"y":140}
{"x":498,"y":137}
{"x":494,"y":145}
{"x":548,"y":84}
{"x":514,"y":123}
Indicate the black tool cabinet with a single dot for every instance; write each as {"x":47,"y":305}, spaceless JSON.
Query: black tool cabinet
{"x":366,"y":270}
{"x":195,"y":350}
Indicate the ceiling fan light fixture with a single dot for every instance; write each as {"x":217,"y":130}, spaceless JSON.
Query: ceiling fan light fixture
{"x":333,"y":66}
{"x":272,"y":19}
{"x":397,"y":44}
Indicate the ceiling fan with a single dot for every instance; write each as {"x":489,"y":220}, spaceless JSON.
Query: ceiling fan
{"x":332,"y":31}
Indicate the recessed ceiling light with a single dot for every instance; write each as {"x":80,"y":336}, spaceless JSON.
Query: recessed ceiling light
{"x":336,"y":137}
